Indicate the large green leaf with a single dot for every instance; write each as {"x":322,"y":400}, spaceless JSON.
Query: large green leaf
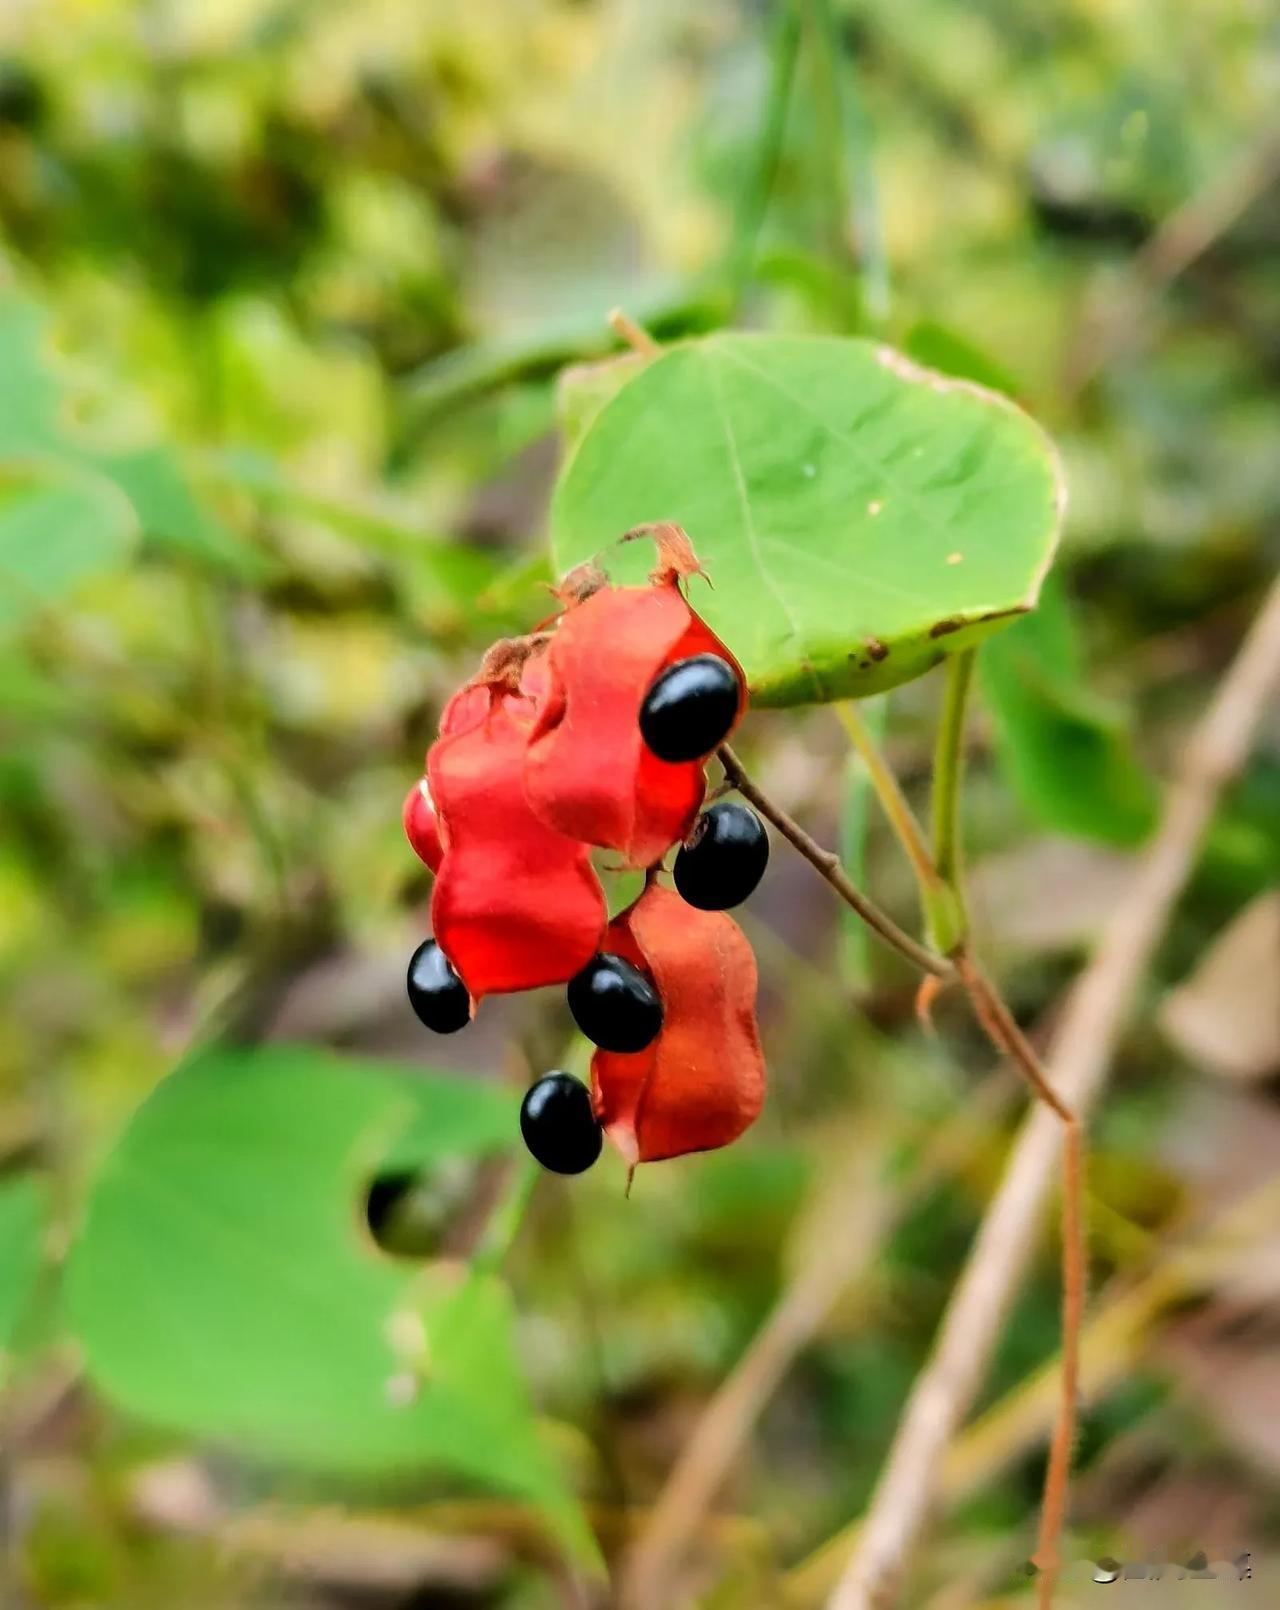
{"x":1067,"y":753}
{"x":859,"y":516}
{"x":223,"y":1283}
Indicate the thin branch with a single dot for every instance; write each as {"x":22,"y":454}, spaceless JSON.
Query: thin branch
{"x":1185,"y":235}
{"x":1117,"y":1332}
{"x":1092,"y":1021}
{"x":648,"y":1570}
{"x":708,"y":1456}
{"x":942,"y":897}
{"x":828,"y":865}
{"x":635,"y":335}
{"x":1003,"y":1031}
{"x":946,"y":915}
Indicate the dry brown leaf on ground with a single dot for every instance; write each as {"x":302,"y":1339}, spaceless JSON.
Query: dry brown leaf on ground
{"x":1048,"y":894}
{"x":1226,"y":1014}
{"x":1232,"y":1381}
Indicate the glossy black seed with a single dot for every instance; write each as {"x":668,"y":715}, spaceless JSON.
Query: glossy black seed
{"x":724,"y":859}
{"x":436,"y":993}
{"x":614,"y":1004}
{"x":558,"y":1125}
{"x":690,"y":707}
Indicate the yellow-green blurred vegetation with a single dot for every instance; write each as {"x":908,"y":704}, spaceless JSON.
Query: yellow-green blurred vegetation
{"x":285,"y":288}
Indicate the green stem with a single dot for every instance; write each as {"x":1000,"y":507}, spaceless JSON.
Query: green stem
{"x":948,"y":773}
{"x":892,"y":800}
{"x":830,"y":112}
{"x":868,"y":233}
{"x":753,"y":205}
{"x":944,"y":919}
{"x":506,"y":1219}
{"x":855,"y":238}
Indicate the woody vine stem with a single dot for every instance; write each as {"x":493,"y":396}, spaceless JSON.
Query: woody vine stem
{"x":942,"y":899}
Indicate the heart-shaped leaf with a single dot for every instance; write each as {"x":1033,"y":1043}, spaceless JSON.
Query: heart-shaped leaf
{"x":859,"y":516}
{"x":224,"y":1283}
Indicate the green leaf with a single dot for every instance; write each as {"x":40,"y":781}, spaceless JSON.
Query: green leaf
{"x":54,"y":535}
{"x":860,"y":517}
{"x":448,"y":582}
{"x":223,"y":1283}
{"x":940,"y":347}
{"x":27,"y":694}
{"x":1068,"y":755}
{"x":583,"y":389}
{"x":24,"y":1211}
{"x":171,"y":514}
{"x":35,"y":427}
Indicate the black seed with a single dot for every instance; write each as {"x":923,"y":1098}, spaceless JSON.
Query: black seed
{"x":436,"y":993}
{"x":614,"y":1004}
{"x":690,"y":708}
{"x":558,"y":1125}
{"x":724,"y":859}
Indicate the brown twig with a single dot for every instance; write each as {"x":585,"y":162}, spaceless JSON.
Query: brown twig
{"x":1004,"y":1033}
{"x":1185,"y":235}
{"x":1090,"y":1025}
{"x":635,"y":336}
{"x":828,"y":865}
{"x":650,"y":1565}
{"x":716,"y":1442}
{"x":1117,"y":1334}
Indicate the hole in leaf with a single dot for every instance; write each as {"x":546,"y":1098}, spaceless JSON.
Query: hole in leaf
{"x":413,"y":1214}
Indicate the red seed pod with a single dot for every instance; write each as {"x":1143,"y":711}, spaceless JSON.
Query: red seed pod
{"x":700,"y":1084}
{"x":420,"y":825}
{"x":516,"y":904}
{"x":589,"y":772}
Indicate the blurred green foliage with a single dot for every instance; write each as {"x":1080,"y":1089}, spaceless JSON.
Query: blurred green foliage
{"x":286,"y":288}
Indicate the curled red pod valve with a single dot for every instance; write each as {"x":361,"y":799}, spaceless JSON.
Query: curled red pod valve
{"x":421,"y":826}
{"x":516,"y":904}
{"x":589,"y":771}
{"x":701,"y":1082}
{"x":465,"y":710}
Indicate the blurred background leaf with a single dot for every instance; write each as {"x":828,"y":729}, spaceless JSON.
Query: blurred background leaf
{"x":1068,"y":753}
{"x":225,"y":1283}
